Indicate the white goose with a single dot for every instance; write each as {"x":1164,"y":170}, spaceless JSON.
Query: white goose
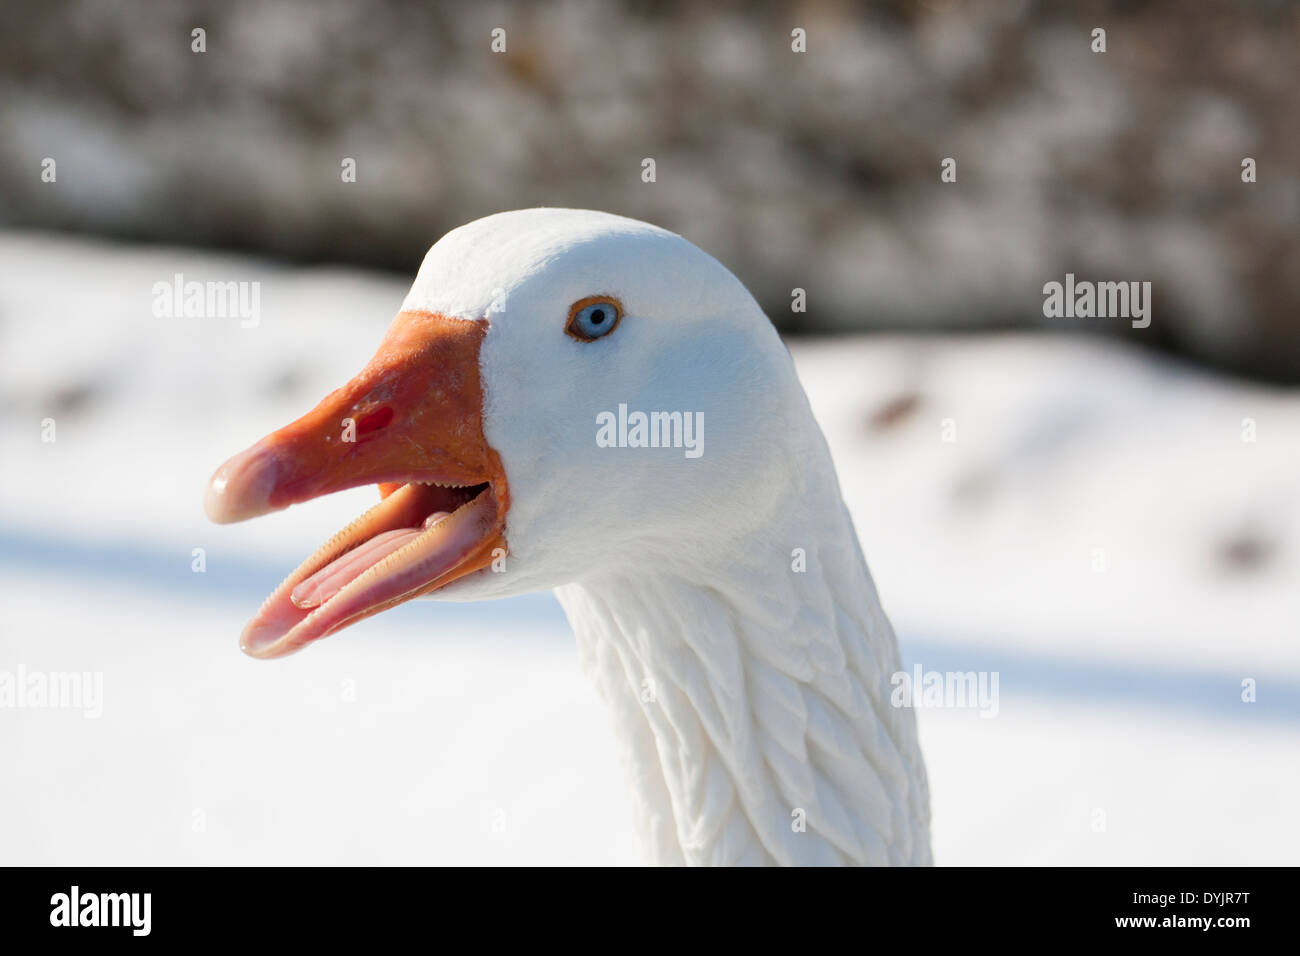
{"x":720,"y":599}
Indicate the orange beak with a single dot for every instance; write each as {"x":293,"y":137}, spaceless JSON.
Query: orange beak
{"x":411,"y":422}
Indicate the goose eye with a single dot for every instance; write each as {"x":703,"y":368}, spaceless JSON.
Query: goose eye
{"x":592,"y":317}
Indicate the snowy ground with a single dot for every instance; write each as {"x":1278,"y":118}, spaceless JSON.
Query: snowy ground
{"x":1098,"y":533}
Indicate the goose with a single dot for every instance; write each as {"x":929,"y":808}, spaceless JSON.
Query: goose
{"x":577,"y":401}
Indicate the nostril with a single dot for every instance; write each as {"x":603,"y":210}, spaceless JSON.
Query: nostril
{"x":374,"y":421}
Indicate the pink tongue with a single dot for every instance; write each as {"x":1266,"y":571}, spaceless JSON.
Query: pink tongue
{"x":330,"y":580}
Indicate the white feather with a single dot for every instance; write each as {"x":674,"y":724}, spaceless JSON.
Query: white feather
{"x":748,"y":696}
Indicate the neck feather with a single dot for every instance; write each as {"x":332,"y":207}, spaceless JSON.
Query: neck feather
{"x":752,"y":700}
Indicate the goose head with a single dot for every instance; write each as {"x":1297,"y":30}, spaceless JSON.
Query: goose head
{"x":508,"y":419}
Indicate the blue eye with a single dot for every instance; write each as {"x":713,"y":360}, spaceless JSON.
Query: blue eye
{"x":594,"y":316}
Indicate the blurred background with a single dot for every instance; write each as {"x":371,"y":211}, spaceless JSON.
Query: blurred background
{"x":1106,"y":516}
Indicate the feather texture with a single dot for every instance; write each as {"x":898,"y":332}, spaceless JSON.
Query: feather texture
{"x":759,"y":732}
{"x":750,"y":691}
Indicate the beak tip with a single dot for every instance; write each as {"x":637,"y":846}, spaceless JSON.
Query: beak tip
{"x":214,"y":502}
{"x":250,"y":645}
{"x":241,"y":488}
{"x":261,"y":640}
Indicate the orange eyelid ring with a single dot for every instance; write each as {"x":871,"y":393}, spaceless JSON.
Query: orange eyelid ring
{"x":570,"y":327}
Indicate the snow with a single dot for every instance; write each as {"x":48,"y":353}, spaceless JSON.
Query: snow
{"x":442,"y":733}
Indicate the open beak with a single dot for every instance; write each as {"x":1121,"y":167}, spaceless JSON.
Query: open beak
{"x":411,"y":422}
